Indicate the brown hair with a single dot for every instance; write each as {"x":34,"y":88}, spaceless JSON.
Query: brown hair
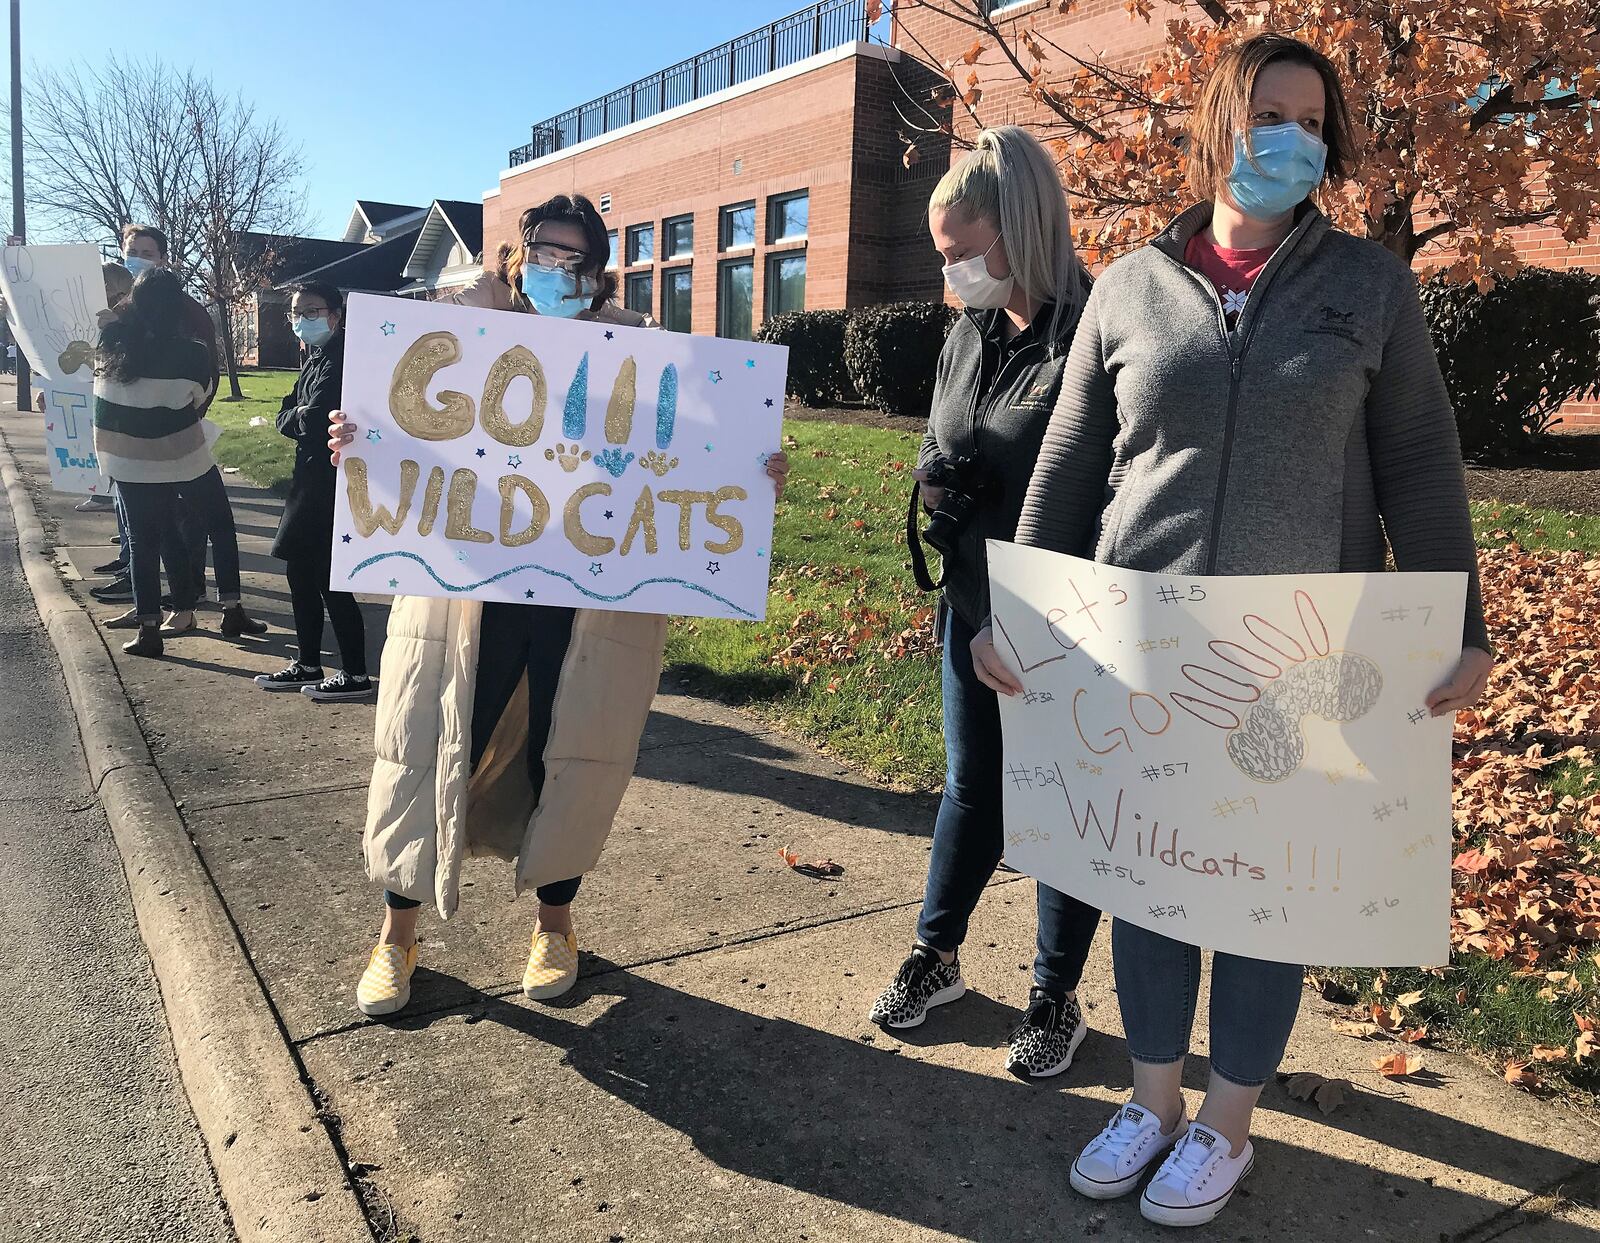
{"x":1224,"y":110}
{"x":576,"y":210}
{"x":132,"y":231}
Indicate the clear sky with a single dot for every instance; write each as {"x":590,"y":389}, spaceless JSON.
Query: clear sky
{"x":403,"y":101}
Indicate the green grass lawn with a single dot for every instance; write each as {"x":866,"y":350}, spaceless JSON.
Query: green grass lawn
{"x":260,"y":453}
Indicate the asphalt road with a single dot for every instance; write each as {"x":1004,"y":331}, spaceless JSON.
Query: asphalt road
{"x":98,"y":1140}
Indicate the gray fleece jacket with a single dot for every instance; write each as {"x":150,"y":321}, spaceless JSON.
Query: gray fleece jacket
{"x":1300,"y":442}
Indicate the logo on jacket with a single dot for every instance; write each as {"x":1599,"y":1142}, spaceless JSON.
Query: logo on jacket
{"x":1331,"y":321}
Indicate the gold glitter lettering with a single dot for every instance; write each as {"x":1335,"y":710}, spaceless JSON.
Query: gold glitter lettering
{"x":685,"y":501}
{"x":517,"y":361}
{"x":572,"y":522}
{"x":509,"y":485}
{"x":726,"y":523}
{"x":458,"y":509}
{"x":367,"y":517}
{"x":408,"y":390}
{"x":644,"y":519}
{"x":430,"y":501}
{"x":619,"y":411}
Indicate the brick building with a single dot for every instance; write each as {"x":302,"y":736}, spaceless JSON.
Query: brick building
{"x":766,"y":174}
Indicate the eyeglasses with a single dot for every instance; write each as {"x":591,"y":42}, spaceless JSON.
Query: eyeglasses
{"x":555,"y":255}
{"x":315,"y":312}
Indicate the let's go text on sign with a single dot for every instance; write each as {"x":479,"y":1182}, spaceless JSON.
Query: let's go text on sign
{"x":513,"y":457}
{"x":1242,"y":763}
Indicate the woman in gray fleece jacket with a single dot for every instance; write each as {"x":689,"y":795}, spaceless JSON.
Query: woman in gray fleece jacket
{"x":1252,"y":393}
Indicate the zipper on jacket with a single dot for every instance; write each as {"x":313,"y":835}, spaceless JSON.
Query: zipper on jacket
{"x":1236,"y":357}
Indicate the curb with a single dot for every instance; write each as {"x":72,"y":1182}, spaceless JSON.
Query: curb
{"x":281,"y":1177}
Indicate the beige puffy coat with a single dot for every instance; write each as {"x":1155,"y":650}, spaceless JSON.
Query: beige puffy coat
{"x":425,"y":812}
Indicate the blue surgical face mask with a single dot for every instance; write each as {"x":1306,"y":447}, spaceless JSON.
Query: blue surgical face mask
{"x":1289,"y":166}
{"x":137,"y":265}
{"x":553,"y":291}
{"x":314,"y":332}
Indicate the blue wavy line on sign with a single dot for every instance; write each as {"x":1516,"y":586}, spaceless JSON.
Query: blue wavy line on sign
{"x":575,"y":414}
{"x":567,"y":578}
{"x":666,"y":406}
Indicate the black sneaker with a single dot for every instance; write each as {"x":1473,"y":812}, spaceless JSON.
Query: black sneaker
{"x":294,"y":678}
{"x":235,"y":622}
{"x":341,"y":688}
{"x":921,"y":983}
{"x":1049,"y":1034}
{"x":119,"y":588}
{"x":118,"y":566}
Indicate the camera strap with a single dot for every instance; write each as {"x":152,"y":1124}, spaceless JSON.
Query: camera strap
{"x":919,"y":559}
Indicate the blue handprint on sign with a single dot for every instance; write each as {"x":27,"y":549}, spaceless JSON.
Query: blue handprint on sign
{"x":614,"y":461}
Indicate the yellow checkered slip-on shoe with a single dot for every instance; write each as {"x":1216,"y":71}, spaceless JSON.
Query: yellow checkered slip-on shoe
{"x":386,"y":983}
{"x":552,"y":965}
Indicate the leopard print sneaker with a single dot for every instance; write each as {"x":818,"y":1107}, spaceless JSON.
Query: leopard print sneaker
{"x":922,"y":982}
{"x":1051,"y":1030}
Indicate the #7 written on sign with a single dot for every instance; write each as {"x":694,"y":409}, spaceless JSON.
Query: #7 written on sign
{"x":514,"y":457}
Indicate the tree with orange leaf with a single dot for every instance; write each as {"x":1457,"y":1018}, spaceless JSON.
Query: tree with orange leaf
{"x":1476,"y":116}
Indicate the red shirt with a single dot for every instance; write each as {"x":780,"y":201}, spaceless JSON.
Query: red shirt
{"x":1232,"y":272}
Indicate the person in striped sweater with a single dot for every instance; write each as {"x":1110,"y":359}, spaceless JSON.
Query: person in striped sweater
{"x":152,"y":381}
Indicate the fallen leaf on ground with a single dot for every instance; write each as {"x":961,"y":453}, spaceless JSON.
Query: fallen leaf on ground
{"x":1355,"y":1028}
{"x":1549,"y":1053}
{"x":1413,"y":1034}
{"x":1408,"y":999}
{"x":1327,"y":1094}
{"x":1397,"y":1065}
{"x":1521,"y":1075}
{"x":820,"y":868}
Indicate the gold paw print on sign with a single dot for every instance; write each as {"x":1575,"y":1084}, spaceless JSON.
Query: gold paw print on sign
{"x":657,"y":463}
{"x":569,"y":458}
{"x":77,"y":354}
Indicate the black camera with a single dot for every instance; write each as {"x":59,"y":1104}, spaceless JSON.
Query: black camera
{"x":963,"y":492}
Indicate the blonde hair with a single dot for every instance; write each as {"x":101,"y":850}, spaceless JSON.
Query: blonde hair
{"x":1009,"y":180}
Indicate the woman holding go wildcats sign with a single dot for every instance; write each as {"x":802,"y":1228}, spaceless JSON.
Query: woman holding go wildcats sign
{"x":1252,"y":393}
{"x":507,"y":729}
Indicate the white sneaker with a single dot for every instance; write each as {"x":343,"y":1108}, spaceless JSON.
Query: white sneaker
{"x":1116,"y":1159}
{"x":1195,"y":1183}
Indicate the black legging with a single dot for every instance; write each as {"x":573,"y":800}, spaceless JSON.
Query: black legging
{"x":514,"y":638}
{"x":309,"y":594}
{"x":151,"y":509}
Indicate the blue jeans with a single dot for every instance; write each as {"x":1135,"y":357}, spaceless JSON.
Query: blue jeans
{"x":151,"y":513}
{"x":969,"y":834}
{"x":1253,"y":1004}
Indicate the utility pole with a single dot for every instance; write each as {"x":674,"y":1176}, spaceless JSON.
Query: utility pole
{"x":19,"y":212}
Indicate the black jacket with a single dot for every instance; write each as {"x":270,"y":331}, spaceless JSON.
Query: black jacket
{"x":306,"y":529}
{"x":992,"y":400}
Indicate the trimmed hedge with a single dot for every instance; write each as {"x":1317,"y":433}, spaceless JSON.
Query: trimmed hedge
{"x":1513,"y":356}
{"x":892,"y":352}
{"x":817,"y":374}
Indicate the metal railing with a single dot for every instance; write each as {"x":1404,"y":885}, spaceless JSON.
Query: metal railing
{"x":816,"y":28}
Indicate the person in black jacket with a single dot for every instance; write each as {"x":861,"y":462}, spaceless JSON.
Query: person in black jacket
{"x":1000,"y":220}
{"x":305,"y":532}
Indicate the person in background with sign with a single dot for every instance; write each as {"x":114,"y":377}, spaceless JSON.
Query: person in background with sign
{"x":474,"y":696}
{"x":1001,"y":223}
{"x":1254,"y":392}
{"x":305,"y":532}
{"x":150,"y":383}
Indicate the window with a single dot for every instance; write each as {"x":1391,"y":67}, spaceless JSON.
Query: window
{"x":640,"y":293}
{"x":787,"y":216}
{"x":677,"y":298}
{"x":641,"y":244}
{"x":605,"y":203}
{"x":611,"y":249}
{"x":680,"y":237}
{"x":738,"y":226}
{"x":736,"y":284}
{"x":786,"y":283}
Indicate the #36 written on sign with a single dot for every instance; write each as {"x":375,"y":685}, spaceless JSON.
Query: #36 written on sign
{"x":524,"y":458}
{"x":1243,"y":763}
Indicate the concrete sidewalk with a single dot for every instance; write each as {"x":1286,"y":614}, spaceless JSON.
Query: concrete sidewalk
{"x":713,"y":1076}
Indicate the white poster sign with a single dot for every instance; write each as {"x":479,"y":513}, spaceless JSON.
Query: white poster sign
{"x":1241,"y":763}
{"x":53,"y":297}
{"x":525,"y":458}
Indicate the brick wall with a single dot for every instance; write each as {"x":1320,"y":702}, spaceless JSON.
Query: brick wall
{"x":1103,"y":26}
